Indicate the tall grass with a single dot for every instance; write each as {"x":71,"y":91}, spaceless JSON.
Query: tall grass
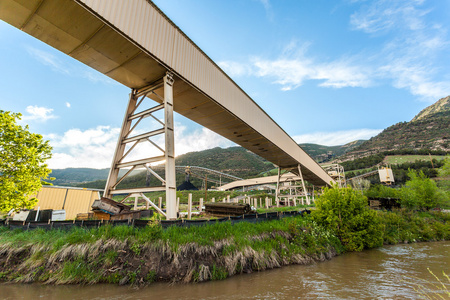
{"x":436,"y":288}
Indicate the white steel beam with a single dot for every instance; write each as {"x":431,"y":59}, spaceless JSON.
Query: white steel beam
{"x":303,"y":184}
{"x":153,"y":204}
{"x":120,"y":147}
{"x":140,"y":162}
{"x":137,"y":190}
{"x":171,"y":189}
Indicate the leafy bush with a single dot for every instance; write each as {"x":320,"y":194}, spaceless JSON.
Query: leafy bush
{"x":409,"y":226}
{"x":421,"y":192}
{"x":381,"y":191}
{"x":445,"y":169}
{"x":345,"y":211}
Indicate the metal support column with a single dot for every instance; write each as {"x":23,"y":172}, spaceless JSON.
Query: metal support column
{"x":171,"y":188}
{"x":303,"y":184}
{"x":128,"y":141}
{"x":120,"y":147}
{"x":277,"y":191}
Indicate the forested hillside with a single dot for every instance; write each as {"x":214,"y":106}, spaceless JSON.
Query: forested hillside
{"x":428,"y":130}
{"x":236,"y":161}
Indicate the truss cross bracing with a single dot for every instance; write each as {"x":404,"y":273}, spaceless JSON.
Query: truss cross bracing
{"x":135,"y":44}
{"x":296,"y":190}
{"x":201,"y":172}
{"x":128,"y":140}
{"x":336,"y":172}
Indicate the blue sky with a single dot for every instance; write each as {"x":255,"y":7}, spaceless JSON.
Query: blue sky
{"x":328,"y":72}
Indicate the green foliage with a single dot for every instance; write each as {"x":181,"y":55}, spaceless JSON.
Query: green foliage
{"x":218,"y":273}
{"x":381,"y":191}
{"x":110,"y":257}
{"x":421,"y":192}
{"x":285,"y":208}
{"x":361,"y":163}
{"x":445,"y":169}
{"x":80,"y":271}
{"x":409,"y":226}
{"x":136,"y":248}
{"x":150,"y":277}
{"x":22,"y":167}
{"x":285,"y":239}
{"x":345,"y":212}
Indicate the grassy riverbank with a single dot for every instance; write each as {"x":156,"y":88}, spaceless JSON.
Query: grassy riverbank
{"x":129,"y":255}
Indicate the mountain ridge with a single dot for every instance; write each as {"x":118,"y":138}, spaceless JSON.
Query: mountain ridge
{"x":236,"y":161}
{"x":429,"y":129}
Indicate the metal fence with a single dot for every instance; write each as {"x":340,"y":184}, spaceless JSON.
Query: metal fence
{"x":65,"y":225}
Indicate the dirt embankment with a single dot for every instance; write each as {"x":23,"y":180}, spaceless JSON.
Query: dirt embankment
{"x":120,"y":262}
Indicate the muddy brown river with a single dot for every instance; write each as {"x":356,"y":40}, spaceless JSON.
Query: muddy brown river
{"x":385,"y":273}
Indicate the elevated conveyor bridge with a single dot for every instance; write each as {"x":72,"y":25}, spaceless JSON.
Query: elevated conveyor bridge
{"x":134,"y":43}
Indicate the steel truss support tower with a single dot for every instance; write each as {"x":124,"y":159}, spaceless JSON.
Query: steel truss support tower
{"x":126,"y":138}
{"x":299,"y":188}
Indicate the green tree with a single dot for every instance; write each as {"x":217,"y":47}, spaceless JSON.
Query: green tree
{"x":22,"y":167}
{"x":345,"y":211}
{"x":381,"y":191}
{"x":420,"y":192}
{"x":445,"y":169}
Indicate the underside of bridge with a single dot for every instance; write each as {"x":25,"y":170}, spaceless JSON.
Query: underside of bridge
{"x":134,"y":43}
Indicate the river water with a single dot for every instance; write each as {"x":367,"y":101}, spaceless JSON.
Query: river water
{"x":385,"y":273}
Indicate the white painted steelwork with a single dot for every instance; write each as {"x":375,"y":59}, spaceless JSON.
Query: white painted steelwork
{"x":126,"y":140}
{"x":134,"y":43}
{"x":260,"y":181}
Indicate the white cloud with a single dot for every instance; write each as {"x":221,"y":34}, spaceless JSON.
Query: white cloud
{"x":417,"y":79}
{"x":294,"y":67}
{"x":386,"y":15}
{"x":198,"y":140}
{"x":37,"y":113}
{"x":267,"y":8}
{"x":414,"y":55}
{"x":94,"y":148}
{"x":415,"y":52}
{"x":48,"y":59}
{"x":291,"y":72}
{"x":336,"y":138}
{"x":68,"y":104}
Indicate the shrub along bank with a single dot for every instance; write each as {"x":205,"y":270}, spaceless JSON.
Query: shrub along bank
{"x":128,"y":255}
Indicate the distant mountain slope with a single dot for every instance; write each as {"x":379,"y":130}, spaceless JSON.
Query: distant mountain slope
{"x":234,"y":160}
{"x":440,"y":106}
{"x":321,"y":153}
{"x":71,"y":176}
{"x":428,"y":130}
{"x":76,"y":175}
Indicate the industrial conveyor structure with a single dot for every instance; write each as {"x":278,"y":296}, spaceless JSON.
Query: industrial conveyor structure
{"x":206,"y":174}
{"x":134,"y":43}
